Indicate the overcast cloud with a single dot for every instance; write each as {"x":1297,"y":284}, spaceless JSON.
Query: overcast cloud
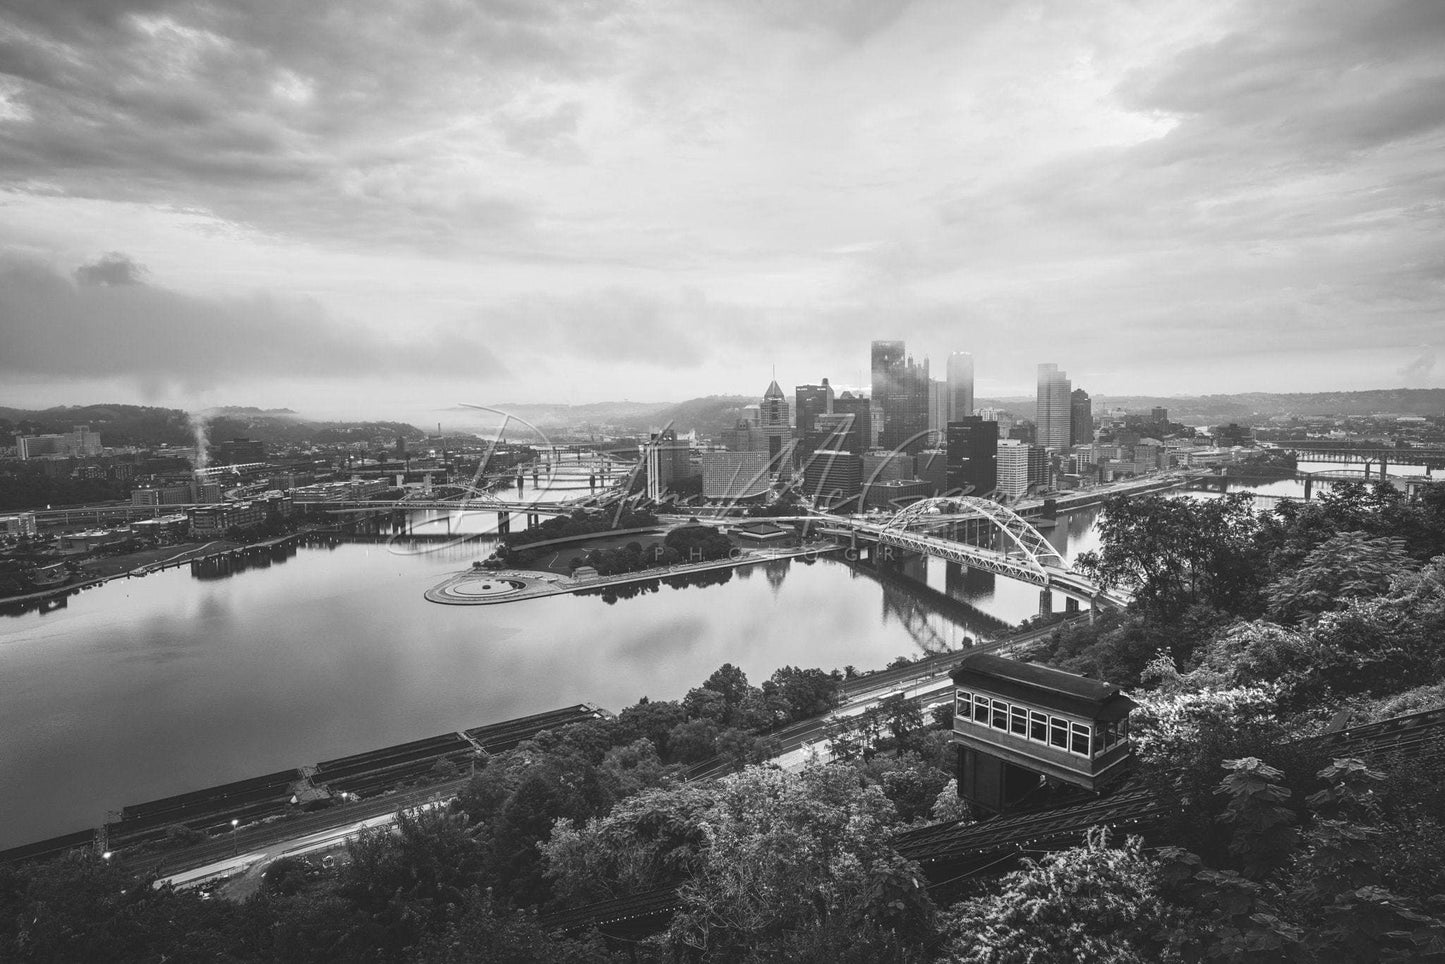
{"x":377,"y":205}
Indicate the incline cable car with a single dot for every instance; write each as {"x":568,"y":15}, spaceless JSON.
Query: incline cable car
{"x":1015,"y":722}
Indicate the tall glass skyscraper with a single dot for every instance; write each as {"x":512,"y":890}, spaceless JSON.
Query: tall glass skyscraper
{"x":960,"y":386}
{"x":1081,"y":417}
{"x":900,"y":392}
{"x":1053,"y":416}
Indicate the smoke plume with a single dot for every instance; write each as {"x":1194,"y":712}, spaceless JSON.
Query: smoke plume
{"x":198,"y":432}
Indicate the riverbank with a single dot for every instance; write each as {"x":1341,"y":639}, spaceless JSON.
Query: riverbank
{"x":484,"y":587}
{"x":140,"y":564}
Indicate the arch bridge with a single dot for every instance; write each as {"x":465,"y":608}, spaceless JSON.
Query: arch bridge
{"x":1018,"y":551}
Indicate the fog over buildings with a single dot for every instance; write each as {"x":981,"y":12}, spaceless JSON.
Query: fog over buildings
{"x":386,"y":209}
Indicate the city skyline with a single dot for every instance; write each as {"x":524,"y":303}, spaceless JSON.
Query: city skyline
{"x":393,"y":210}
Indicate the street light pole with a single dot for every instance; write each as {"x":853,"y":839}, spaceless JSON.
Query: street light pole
{"x":235,"y":847}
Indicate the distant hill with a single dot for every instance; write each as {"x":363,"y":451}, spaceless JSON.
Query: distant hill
{"x":1214,"y":409}
{"x":709,"y":415}
{"x":141,"y":425}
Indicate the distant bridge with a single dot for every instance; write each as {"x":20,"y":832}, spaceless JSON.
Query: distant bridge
{"x":1432,"y":457}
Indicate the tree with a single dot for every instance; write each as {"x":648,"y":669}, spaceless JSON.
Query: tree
{"x":1090,"y":903}
{"x":1172,"y":553}
{"x":412,"y":875}
{"x":805,"y":692}
{"x":798,"y":867}
{"x":1347,"y":566}
{"x":1250,"y":652}
{"x":647,"y":841}
{"x":698,"y":542}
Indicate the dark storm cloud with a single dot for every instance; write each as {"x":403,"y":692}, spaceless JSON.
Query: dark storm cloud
{"x":106,"y":327}
{"x":110,"y":269}
{"x":1315,"y":81}
{"x":326,"y":118}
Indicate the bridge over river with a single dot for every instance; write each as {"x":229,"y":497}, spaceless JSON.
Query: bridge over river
{"x":998,"y":540}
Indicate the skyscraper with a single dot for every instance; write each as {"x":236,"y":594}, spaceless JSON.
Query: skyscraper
{"x":860,"y":432}
{"x":1013,"y":468}
{"x":972,"y":456}
{"x":773,"y":420}
{"x":960,"y":385}
{"x":812,"y":401}
{"x":1081,"y":418}
{"x":938,"y":417}
{"x":900,"y":391}
{"x":1053,"y":413}
{"x":887,"y":368}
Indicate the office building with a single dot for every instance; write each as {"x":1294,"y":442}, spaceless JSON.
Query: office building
{"x":216,"y":520}
{"x":1013,"y":468}
{"x":861,"y":434}
{"x":18,"y":525}
{"x":887,"y":363}
{"x":1002,"y":416}
{"x":773,"y":421}
{"x":881,"y":465}
{"x":666,"y":461}
{"x":831,"y":431}
{"x":745,"y":436}
{"x":937,"y":411}
{"x":1053,"y":414}
{"x":1040,"y":467}
{"x":1160,"y":415}
{"x":960,"y":386}
{"x":931,"y":465}
{"x":972,"y":456}
{"x":239,"y":451}
{"x":833,"y":479}
{"x":811,"y":401}
{"x":80,"y":443}
{"x":900,"y":393}
{"x":734,"y":476}
{"x":162,"y":495}
{"x":894,"y":494}
{"x":1081,"y":418}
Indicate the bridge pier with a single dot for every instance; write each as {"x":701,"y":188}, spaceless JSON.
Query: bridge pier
{"x":1309,"y":487}
{"x":504,"y":522}
{"x":1046,"y":602}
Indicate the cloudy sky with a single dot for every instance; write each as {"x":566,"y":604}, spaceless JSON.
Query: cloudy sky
{"x":384,"y":207}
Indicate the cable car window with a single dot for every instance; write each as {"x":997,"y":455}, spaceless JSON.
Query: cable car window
{"x":1000,"y":714}
{"x":1019,"y":721}
{"x":1080,"y":743}
{"x":1038,"y":727}
{"x":1058,"y":733}
{"x":980,"y":709}
{"x":963,"y":709}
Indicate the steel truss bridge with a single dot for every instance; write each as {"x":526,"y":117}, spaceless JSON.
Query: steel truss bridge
{"x":1432,"y":457}
{"x":1022,"y":554}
